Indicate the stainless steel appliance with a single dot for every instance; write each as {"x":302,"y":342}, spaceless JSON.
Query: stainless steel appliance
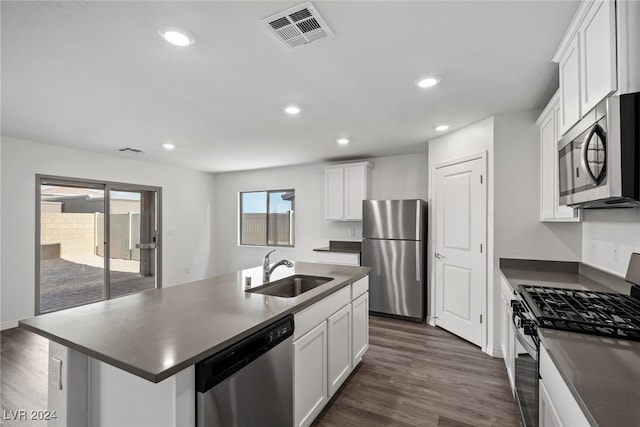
{"x":249,"y":383}
{"x":599,"y":158}
{"x":597,"y":313}
{"x":394,"y":234}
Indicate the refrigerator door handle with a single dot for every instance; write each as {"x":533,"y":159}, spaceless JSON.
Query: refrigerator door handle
{"x":418,"y":222}
{"x":418,"y":263}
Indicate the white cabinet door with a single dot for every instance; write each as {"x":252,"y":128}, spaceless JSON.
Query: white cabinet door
{"x":355,"y":191}
{"x":547,"y":414}
{"x":550,"y":208}
{"x":333,"y":193}
{"x":310,"y":375}
{"x":339,"y":334}
{"x":548,"y":152}
{"x":360,"y":330}
{"x":570,"y":103}
{"x":345,"y":187}
{"x":597,"y":54}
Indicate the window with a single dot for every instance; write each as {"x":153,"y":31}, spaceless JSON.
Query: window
{"x":266,"y":218}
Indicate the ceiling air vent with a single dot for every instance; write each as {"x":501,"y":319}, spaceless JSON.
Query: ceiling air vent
{"x":130,"y":150}
{"x":298,"y":26}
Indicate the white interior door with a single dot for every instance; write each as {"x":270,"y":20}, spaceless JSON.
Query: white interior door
{"x":460,"y":261}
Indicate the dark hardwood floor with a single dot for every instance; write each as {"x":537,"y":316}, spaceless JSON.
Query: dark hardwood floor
{"x":412,"y":375}
{"x":418,"y":375}
{"x":23,"y":376}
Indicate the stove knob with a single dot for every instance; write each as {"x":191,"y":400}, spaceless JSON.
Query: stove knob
{"x":516,"y":306}
{"x":529,"y":327}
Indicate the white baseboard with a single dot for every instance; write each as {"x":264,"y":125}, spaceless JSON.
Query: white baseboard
{"x":8,"y":325}
{"x":494,"y":352}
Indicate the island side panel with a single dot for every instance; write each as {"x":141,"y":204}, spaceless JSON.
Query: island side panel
{"x":68,"y":387}
{"x":119,"y":398}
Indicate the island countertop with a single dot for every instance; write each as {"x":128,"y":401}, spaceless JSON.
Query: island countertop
{"x":157,"y":333}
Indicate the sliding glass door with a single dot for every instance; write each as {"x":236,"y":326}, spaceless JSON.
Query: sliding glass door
{"x":132,"y":250}
{"x":95,"y":241}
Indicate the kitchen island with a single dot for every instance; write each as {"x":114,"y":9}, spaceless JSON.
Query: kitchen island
{"x":147,"y":343}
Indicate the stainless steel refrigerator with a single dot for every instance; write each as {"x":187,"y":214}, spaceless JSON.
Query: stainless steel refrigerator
{"x":394,"y":236}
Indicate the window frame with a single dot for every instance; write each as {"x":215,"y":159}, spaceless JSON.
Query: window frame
{"x":241,"y":211}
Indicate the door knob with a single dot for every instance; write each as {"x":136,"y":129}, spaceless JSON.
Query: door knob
{"x":439,"y":256}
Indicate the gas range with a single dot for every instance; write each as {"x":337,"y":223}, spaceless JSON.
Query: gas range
{"x":596,"y":313}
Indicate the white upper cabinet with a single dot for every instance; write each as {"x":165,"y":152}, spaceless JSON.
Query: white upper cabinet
{"x":569,"y":66}
{"x":598,"y":54}
{"x":345,"y":187}
{"x":587,"y":61}
{"x":550,"y":208}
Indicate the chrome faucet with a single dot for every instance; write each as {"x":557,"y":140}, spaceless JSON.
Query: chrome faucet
{"x":267,"y":270}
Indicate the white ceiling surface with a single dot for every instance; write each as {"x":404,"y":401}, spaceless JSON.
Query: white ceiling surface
{"x":97,"y":76}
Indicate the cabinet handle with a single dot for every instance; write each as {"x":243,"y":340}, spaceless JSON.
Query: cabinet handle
{"x":578,"y":172}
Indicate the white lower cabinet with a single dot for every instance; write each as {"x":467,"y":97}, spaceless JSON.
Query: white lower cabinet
{"x":329,"y":340}
{"x":310,"y":375}
{"x":360,"y":331}
{"x":339,"y":348}
{"x":557,"y":406}
{"x":547,"y":415}
{"x":508,"y":333}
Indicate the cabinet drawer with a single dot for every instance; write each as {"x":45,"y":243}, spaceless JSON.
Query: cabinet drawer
{"x":359,"y":287}
{"x":338,"y":258}
{"x":311,"y":316}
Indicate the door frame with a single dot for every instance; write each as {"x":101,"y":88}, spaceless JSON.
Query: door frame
{"x":107,"y":186}
{"x":484,"y":237}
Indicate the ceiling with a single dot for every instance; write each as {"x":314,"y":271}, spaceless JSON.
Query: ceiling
{"x":97,"y":76}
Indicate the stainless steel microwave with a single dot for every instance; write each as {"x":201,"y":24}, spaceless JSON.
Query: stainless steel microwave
{"x":599,"y":158}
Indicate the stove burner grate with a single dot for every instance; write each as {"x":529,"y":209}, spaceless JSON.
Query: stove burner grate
{"x":597,"y":313}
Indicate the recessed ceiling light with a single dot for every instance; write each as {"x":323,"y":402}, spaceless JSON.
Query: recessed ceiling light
{"x":427,"y":82}
{"x":168,"y":146}
{"x":177,"y":37}
{"x":442,"y":128}
{"x":342,"y":141}
{"x":292,"y":109}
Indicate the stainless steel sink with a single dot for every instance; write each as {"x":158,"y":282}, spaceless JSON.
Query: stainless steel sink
{"x":291,"y":286}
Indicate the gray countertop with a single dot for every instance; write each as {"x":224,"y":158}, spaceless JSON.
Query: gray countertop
{"x":344,"y":246}
{"x":157,"y":333}
{"x":603,"y":374}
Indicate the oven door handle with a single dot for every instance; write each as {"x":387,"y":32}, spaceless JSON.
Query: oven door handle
{"x":526,"y":343}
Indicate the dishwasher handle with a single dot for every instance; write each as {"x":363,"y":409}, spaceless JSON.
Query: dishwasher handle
{"x":227,"y":362}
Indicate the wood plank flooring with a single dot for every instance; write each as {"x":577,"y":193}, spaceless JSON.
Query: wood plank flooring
{"x":418,"y":375}
{"x":23,"y":375}
{"x":412,"y":375}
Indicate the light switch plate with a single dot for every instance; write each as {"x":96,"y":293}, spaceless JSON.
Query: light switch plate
{"x":55,"y":366}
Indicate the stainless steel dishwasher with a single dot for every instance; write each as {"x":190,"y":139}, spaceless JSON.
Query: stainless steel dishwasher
{"x":249,"y":383}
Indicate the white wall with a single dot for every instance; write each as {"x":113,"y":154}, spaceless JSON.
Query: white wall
{"x":518,"y":232}
{"x":609,"y":236}
{"x":401,"y":177}
{"x":188,"y":214}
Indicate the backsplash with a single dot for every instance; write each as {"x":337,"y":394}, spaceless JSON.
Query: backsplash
{"x":609,"y":236}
